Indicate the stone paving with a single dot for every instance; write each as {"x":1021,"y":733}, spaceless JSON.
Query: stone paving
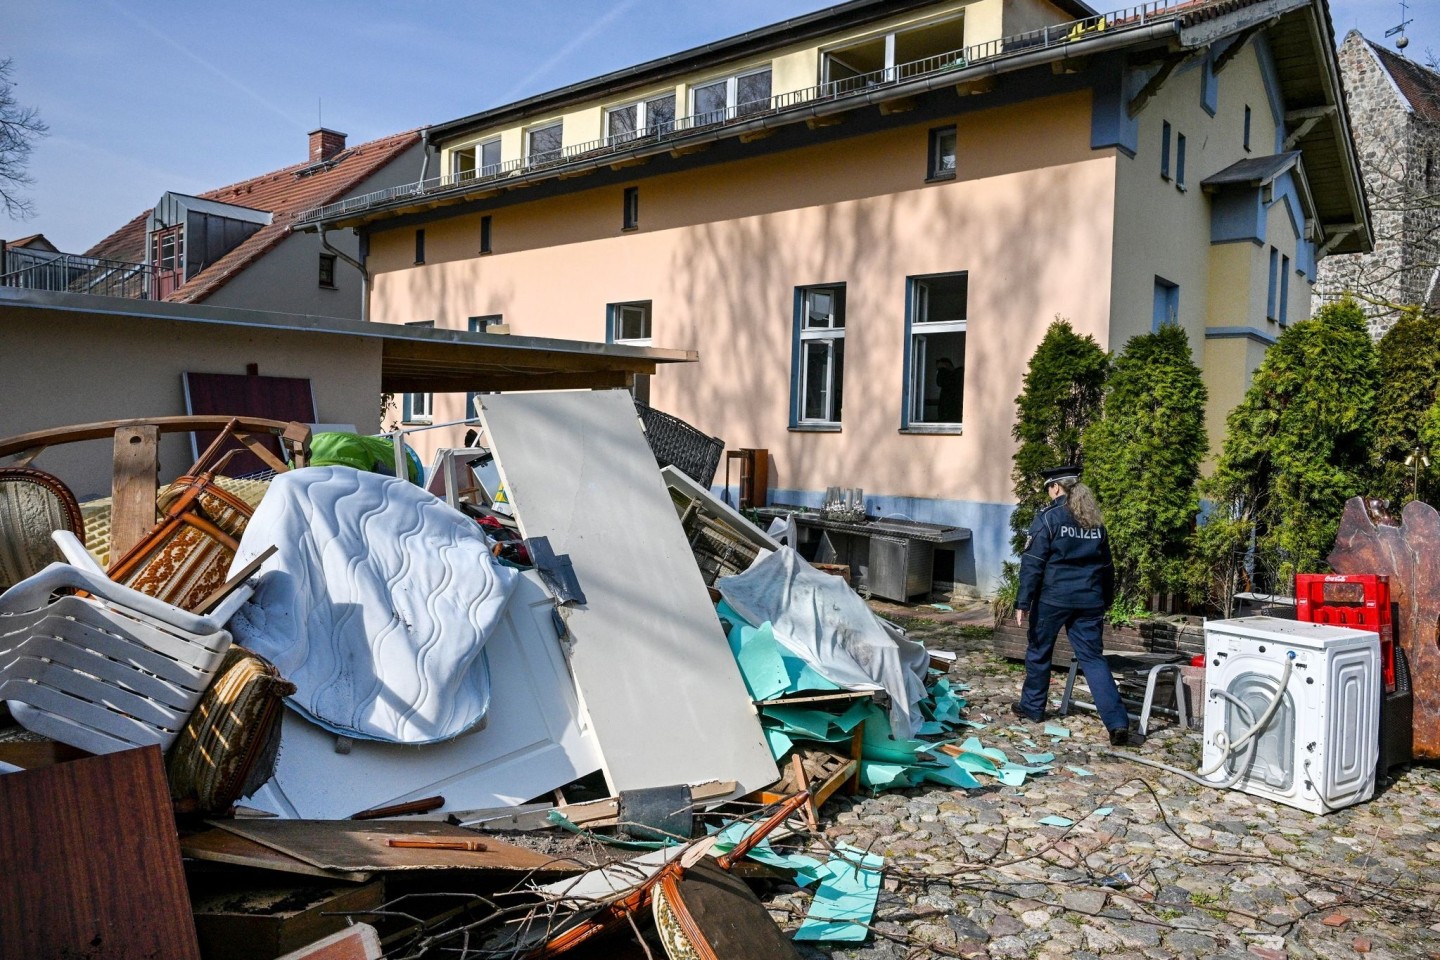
{"x":1172,"y":870}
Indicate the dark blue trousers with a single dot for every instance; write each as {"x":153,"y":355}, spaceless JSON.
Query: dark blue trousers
{"x":1085,"y":629}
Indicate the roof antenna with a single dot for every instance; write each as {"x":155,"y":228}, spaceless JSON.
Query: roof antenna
{"x":1404,"y":41}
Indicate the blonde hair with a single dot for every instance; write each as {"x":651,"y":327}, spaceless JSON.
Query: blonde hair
{"x":1081,"y":502}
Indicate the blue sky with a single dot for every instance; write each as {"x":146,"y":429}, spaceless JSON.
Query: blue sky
{"x":144,"y":96}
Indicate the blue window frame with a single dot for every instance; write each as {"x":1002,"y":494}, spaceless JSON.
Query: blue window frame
{"x":1272,"y":293}
{"x":936,"y":318}
{"x":1167,"y":304}
{"x":817,"y":381}
{"x":631,"y":323}
{"x":1165,"y":150}
{"x":418,"y":407}
{"x":1247,"y":128}
{"x":1180,"y":161}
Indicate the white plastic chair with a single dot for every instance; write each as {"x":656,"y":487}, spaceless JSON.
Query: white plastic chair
{"x":110,"y":671}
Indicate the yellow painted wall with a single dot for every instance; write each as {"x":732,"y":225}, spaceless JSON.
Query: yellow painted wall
{"x":721,"y":250}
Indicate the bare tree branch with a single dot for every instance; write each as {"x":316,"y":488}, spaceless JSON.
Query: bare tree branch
{"x":20,"y":127}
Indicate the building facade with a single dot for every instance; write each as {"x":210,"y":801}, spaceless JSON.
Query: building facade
{"x":865,"y":219}
{"x":1395,"y":107}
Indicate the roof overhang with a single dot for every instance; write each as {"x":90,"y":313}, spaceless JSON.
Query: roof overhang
{"x":411,"y":359}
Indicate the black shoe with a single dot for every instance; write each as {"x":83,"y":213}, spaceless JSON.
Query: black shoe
{"x":1021,"y":712}
{"x":1120,"y":738}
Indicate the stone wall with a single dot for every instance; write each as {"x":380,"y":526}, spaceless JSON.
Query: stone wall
{"x":1400,"y":157}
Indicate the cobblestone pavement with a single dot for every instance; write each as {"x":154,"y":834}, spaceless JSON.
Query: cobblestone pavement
{"x":1212,"y":873}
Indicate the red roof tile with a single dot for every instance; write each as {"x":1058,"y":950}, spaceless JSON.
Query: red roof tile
{"x":283,"y":194}
{"x":1421,"y":87}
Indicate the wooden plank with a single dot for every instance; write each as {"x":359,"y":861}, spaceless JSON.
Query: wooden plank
{"x":363,"y":845}
{"x":135,"y":486}
{"x":90,"y":864}
{"x":359,"y":942}
{"x":655,"y":673}
{"x":222,"y":846}
{"x":22,"y":443}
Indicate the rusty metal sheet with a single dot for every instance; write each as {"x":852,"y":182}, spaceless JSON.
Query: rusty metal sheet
{"x":1408,"y":553}
{"x":90,"y":862}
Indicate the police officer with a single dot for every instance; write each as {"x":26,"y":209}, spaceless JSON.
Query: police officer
{"x":1067,"y":580}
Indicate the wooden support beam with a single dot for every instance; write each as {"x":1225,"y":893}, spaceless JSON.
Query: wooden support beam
{"x":685,"y":149}
{"x":1152,"y":87}
{"x":750,"y":136}
{"x":135,"y":486}
{"x":833,"y":120}
{"x":898,"y":105}
{"x":1233,"y":51}
{"x":1069,"y":65}
{"x":629,"y":162}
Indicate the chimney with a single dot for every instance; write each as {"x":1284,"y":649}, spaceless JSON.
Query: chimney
{"x":325,"y":143}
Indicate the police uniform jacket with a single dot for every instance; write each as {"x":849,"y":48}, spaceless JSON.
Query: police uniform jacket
{"x":1064,"y":564}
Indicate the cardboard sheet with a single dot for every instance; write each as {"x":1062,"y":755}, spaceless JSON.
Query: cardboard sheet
{"x":654,"y":670}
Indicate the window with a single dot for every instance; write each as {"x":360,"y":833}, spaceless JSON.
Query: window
{"x":735,"y":96}
{"x":644,"y":118}
{"x":1284,"y":290}
{"x":489,"y":157}
{"x":419,"y":246}
{"x":1167,"y":304}
{"x":936,"y":381}
{"x":327,"y":271}
{"x":544,"y":144}
{"x":418,"y":407}
{"x":462,"y":165}
{"x":485,"y":234}
{"x":942,"y":153}
{"x":631,"y":218}
{"x":1247,"y":128}
{"x":1271,"y":296}
{"x":629,"y":323}
{"x":1180,"y":161}
{"x":820,"y":352}
{"x":479,"y":325}
{"x":1165,"y":150}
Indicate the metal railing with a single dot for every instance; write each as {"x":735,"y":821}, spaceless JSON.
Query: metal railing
{"x":832,"y":91}
{"x":73,"y":273}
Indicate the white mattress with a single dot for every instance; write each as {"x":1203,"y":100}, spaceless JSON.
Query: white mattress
{"x":376,"y":605}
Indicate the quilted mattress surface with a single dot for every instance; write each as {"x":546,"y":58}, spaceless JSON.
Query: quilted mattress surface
{"x":376,"y":604}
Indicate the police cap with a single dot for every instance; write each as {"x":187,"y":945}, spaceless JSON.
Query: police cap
{"x":1057,"y":474}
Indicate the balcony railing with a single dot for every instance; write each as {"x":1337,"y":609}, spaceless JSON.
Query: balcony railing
{"x":73,"y":273}
{"x":834,"y":91}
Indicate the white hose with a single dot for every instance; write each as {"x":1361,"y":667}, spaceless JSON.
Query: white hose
{"x":1222,"y":741}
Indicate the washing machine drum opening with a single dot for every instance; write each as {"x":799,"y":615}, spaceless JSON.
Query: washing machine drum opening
{"x":1274,"y":762}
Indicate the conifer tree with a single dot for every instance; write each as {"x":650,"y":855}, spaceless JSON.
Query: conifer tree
{"x":1296,"y":448}
{"x":1142,"y":459}
{"x":1409,"y":369}
{"x":1064,"y":386}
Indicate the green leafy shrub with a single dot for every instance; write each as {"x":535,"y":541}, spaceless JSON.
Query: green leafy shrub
{"x":1004,"y":603}
{"x":1296,"y":448}
{"x":1142,"y":459}
{"x":1064,"y":386}
{"x":1408,"y":357}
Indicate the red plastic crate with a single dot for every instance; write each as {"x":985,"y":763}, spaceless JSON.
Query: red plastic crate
{"x":1360,"y":601}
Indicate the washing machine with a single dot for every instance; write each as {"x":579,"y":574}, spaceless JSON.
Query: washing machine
{"x":1319,"y":748}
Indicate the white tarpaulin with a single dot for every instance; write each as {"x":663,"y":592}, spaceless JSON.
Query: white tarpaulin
{"x":820,"y":619}
{"x":376,"y":604}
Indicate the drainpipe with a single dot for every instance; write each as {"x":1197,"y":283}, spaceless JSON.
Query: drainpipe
{"x":424,"y":153}
{"x":364,"y":275}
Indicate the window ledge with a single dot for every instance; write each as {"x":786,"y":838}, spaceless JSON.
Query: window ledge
{"x":940,"y":178}
{"x":935,"y":429}
{"x":328,"y":286}
{"x":634,"y":229}
{"x":416,"y":423}
{"x":814,"y":428}
{"x":1180,"y":187}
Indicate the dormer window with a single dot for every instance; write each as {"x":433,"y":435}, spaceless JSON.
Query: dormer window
{"x":543,"y":144}
{"x":655,"y":116}
{"x":737,"y":96}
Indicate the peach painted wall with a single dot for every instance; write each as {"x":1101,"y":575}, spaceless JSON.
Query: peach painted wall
{"x":720,"y":251}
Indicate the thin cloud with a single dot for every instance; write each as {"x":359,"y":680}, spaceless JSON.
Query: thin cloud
{"x":190,"y":55}
{"x":565,"y":52}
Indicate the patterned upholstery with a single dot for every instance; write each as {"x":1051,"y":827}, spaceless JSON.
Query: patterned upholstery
{"x":32,"y":505}
{"x":186,"y":557}
{"x":228,"y":748}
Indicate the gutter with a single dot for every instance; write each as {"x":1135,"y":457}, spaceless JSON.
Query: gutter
{"x":1086,"y":46}
{"x":364,"y":274}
